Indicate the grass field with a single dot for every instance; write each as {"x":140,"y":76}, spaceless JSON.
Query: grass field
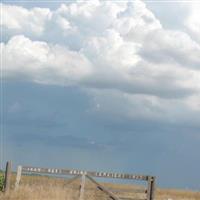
{"x":48,"y":188}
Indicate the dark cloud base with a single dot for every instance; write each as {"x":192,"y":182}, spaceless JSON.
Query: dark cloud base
{"x":44,"y":125}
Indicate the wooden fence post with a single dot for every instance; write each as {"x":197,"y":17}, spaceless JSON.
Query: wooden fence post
{"x":151,"y":188}
{"x":82,"y":187}
{"x":7,"y":177}
{"x":18,"y":177}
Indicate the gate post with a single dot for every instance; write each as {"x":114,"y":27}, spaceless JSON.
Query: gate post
{"x":151,"y":188}
{"x":7,"y":177}
{"x":18,"y":177}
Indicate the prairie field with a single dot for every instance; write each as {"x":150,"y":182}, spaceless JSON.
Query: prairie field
{"x":49,"y":188}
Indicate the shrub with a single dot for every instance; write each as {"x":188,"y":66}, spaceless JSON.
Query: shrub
{"x":1,"y":181}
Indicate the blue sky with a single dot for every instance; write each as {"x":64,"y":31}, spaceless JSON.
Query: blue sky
{"x":103,"y":85}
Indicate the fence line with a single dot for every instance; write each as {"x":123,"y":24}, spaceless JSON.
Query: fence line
{"x":150,"y":180}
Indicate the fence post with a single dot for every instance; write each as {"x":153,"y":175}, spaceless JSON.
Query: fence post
{"x":82,"y":187}
{"x":18,"y":177}
{"x":7,"y":177}
{"x":151,"y":188}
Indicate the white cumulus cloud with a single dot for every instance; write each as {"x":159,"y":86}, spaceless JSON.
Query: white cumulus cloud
{"x":41,"y":62}
{"x":107,"y":46}
{"x":19,"y":19}
{"x":192,"y":21}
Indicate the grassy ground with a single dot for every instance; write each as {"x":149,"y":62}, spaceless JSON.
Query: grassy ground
{"x":47,"y":188}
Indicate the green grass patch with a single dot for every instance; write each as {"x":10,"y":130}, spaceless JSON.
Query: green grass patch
{"x":1,"y":181}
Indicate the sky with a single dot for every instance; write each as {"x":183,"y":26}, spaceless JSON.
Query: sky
{"x":103,"y":85}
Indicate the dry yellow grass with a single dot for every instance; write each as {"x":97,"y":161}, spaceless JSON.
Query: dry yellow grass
{"x":47,"y":188}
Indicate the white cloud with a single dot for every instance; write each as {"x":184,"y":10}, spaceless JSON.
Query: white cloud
{"x":120,"y":47}
{"x":19,"y":19}
{"x":41,"y":62}
{"x":124,"y":106}
{"x":166,"y":46}
{"x":192,"y":21}
{"x":136,"y":21}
